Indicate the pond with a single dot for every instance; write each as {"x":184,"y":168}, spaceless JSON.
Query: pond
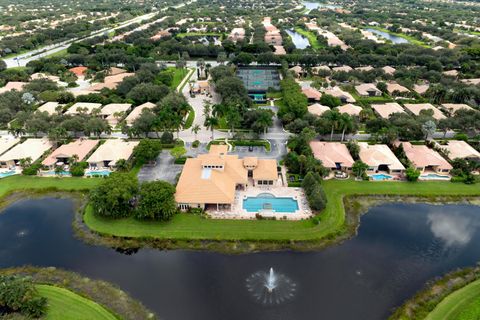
{"x":298,"y":40}
{"x":399,"y":248}
{"x":309,"y":5}
{"x":395,"y":39}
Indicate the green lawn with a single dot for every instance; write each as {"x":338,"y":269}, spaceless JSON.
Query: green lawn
{"x":463,"y":304}
{"x":188,"y":226}
{"x":312,"y":37}
{"x":178,"y":75}
{"x":63,"y":304}
{"x":23,"y":183}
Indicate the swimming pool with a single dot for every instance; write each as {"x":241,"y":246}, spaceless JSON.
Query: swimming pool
{"x":53,"y":173}
{"x":434,"y":176}
{"x":267,"y":201}
{"x":98,"y":173}
{"x":380,"y":177}
{"x":7,"y":173}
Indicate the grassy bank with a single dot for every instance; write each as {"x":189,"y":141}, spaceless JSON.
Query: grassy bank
{"x":65,"y":304}
{"x":312,"y":38}
{"x":453,"y":296}
{"x":462,"y":304}
{"x":331,"y":222}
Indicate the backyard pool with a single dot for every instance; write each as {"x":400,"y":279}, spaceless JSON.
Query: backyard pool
{"x":98,"y":173}
{"x":380,"y":177}
{"x":53,"y":173}
{"x":7,"y":173}
{"x":434,"y":176}
{"x":267,"y":201}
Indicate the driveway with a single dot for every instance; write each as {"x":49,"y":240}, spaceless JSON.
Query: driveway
{"x":164,"y":169}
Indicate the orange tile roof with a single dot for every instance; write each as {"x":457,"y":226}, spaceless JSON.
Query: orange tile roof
{"x":79,"y":71}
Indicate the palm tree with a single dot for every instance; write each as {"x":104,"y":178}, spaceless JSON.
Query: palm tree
{"x":195,"y":129}
{"x":345,"y":123}
{"x":334,"y":118}
{"x":25,"y":162}
{"x":211,"y":123}
{"x":122,"y":165}
{"x":207,"y":108}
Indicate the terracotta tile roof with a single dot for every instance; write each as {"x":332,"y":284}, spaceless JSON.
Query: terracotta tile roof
{"x":387,"y":109}
{"x":137,"y":111}
{"x":415,"y":108}
{"x":80,"y":147}
{"x":33,"y":148}
{"x":331,"y":153}
{"x":364,"y":89}
{"x":379,"y":154}
{"x":79,"y":71}
{"x":317,"y":109}
{"x":454,"y":107}
{"x":461,"y":149}
{"x":423,"y":156}
{"x":311,"y":93}
{"x":350,"y":109}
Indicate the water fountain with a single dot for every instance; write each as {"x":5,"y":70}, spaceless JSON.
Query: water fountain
{"x":271,"y":287}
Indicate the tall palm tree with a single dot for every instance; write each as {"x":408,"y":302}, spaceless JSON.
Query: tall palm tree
{"x":334,"y":118}
{"x":195,"y":129}
{"x":345,"y":123}
{"x":211,"y":123}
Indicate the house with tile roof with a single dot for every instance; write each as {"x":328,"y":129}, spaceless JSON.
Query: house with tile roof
{"x":211,"y":180}
{"x":334,"y":155}
{"x":379,"y":157}
{"x":425,"y":159}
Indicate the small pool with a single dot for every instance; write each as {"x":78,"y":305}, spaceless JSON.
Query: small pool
{"x":380,"y":177}
{"x":267,"y":201}
{"x":434,"y":176}
{"x":98,"y":173}
{"x":7,"y":173}
{"x":53,"y":173}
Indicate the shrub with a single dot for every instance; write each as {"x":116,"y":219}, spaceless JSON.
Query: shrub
{"x":78,"y":169}
{"x":412,"y":174}
{"x":31,"y":170}
{"x":156,"y":201}
{"x":316,"y":196}
{"x":195,"y":144}
{"x":147,"y":150}
{"x":167,"y":138}
{"x":19,"y":295}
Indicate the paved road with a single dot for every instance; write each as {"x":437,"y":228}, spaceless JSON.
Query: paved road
{"x":23,"y":59}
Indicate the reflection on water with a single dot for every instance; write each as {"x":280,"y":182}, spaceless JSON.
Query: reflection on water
{"x":453,"y":228}
{"x":395,"y":39}
{"x":399,"y":247}
{"x":298,"y":40}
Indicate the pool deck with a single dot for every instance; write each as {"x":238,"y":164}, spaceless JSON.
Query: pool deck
{"x":237,"y":211}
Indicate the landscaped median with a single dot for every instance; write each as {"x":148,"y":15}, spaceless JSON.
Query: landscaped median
{"x":330,"y":226}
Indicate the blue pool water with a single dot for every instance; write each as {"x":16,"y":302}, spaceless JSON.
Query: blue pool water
{"x":7,"y":174}
{"x":98,"y":173}
{"x":380,"y":177}
{"x":269,"y":201}
{"x":53,"y":173}
{"x":434,"y":176}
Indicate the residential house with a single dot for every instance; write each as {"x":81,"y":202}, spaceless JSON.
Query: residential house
{"x":211,"y":180}
{"x":452,"y":108}
{"x":462,"y":150}
{"x":425,"y":159}
{"x":110,"y":82}
{"x":61,"y":156}
{"x":394,"y":88}
{"x":107,"y":155}
{"x":83,"y":107}
{"x":421,"y":88}
{"x":132,"y":116}
{"x":6,"y":143}
{"x":387,"y":109}
{"x":30,"y":148}
{"x":379,"y":157}
{"x":311,"y":94}
{"x":237,"y":34}
{"x":344,"y":97}
{"x":342,"y":69}
{"x":49,"y":107}
{"x":13,"y":85}
{"x":416,"y":108}
{"x":114,"y":112}
{"x":350,"y":109}
{"x":368,"y":90}
{"x":389,"y":70}
{"x":79,"y":71}
{"x":317,"y":109}
{"x":334,"y":155}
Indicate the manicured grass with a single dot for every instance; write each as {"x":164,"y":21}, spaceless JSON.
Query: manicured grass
{"x":23,"y":183}
{"x":312,"y":37}
{"x":60,"y":53}
{"x":178,"y":75}
{"x":411,"y":39}
{"x":64,"y":304}
{"x":332,"y":219}
{"x":190,"y":119}
{"x":462,"y":304}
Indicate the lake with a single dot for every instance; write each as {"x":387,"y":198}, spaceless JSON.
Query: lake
{"x":298,"y":40}
{"x":398,"y":248}
{"x":315,"y":5}
{"x":388,"y":36}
